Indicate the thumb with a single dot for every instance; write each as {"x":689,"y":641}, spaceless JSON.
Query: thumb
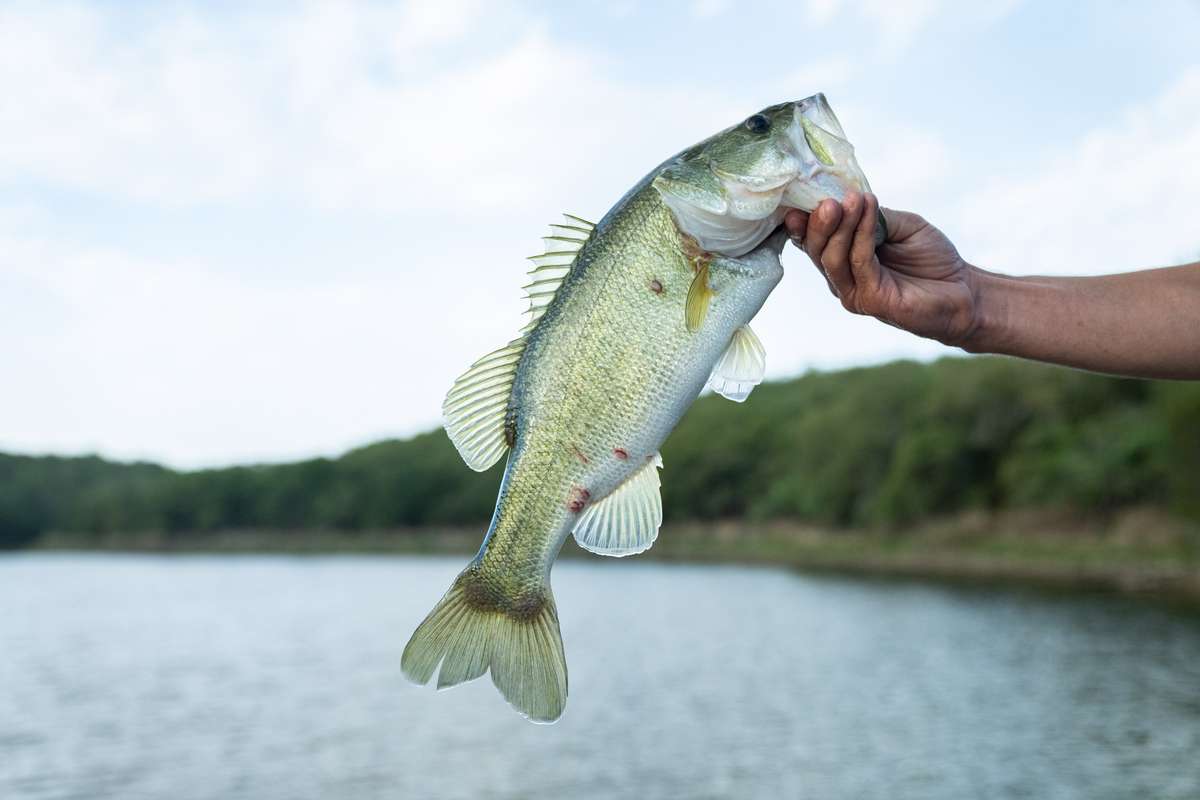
{"x":896,"y":226}
{"x":796,"y":222}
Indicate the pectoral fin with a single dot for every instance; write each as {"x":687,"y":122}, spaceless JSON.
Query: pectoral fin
{"x":699,"y":296}
{"x":741,"y":367}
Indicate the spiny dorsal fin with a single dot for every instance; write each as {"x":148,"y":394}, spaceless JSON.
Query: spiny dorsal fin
{"x":626,"y":522}
{"x":476,"y":408}
{"x":551,"y":267}
{"x":740,"y":368}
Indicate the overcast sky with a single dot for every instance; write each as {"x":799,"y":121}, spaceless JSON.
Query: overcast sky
{"x":232,"y":235}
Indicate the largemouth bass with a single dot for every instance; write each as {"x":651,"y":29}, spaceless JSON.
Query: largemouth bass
{"x":629,"y":319}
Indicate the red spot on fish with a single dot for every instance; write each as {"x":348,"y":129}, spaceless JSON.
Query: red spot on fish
{"x":577,"y":499}
{"x":579,"y":454}
{"x":656,"y":286}
{"x":621,"y":453}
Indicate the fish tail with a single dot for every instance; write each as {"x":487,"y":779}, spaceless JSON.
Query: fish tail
{"x":474,"y":629}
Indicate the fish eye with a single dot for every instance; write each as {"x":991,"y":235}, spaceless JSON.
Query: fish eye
{"x":758,"y":124}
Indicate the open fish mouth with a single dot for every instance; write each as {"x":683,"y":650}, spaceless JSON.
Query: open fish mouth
{"x":822,"y":165}
{"x":733,"y":190}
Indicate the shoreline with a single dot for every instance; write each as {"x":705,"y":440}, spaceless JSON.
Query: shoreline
{"x":1140,"y":553}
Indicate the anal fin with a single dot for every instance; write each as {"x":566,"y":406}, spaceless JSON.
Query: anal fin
{"x":625,"y":522}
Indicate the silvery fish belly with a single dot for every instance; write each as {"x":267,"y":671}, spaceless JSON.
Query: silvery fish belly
{"x":630,"y":318}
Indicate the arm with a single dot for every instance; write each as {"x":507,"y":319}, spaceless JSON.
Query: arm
{"x":1145,"y":324}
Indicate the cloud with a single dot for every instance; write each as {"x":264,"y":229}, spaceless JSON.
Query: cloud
{"x":705,"y":9}
{"x":1120,"y":198}
{"x":340,"y":106}
{"x":822,"y":76}
{"x":264,"y":232}
{"x":896,"y":24}
{"x":139,"y":358}
{"x":153,"y":351}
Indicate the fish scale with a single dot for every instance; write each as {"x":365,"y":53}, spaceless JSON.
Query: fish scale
{"x":629,"y":319}
{"x":596,"y":384}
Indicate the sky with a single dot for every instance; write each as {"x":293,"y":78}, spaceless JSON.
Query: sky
{"x":238,"y":233}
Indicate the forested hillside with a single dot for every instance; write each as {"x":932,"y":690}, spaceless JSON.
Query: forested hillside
{"x":875,"y":446}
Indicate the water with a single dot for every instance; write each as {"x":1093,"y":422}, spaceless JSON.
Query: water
{"x":275,"y":677}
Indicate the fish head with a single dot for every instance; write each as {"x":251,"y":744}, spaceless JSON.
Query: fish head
{"x":731,"y":191}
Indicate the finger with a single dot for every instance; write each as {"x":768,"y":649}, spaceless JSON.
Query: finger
{"x":818,"y":226}
{"x":821,"y":225}
{"x":863,"y":265}
{"x":835,"y":258}
{"x":796,"y":222}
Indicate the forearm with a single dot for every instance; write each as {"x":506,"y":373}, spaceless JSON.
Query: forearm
{"x":1144,"y":324}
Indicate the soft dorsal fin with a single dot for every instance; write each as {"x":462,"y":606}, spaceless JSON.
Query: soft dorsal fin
{"x":476,"y":408}
{"x":741,"y":367}
{"x":626,"y":522}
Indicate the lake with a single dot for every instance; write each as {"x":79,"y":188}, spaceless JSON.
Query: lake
{"x":270,"y":677}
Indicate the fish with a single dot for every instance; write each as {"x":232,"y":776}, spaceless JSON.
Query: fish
{"x":629,"y":319}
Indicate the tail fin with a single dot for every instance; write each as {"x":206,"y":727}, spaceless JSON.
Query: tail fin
{"x":522,"y":647}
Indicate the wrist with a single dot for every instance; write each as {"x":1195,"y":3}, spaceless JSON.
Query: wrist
{"x":990,"y":316}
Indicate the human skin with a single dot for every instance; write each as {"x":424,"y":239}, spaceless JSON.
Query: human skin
{"x":1142,"y":324}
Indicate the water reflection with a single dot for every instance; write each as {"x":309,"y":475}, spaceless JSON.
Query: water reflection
{"x":272,"y":677}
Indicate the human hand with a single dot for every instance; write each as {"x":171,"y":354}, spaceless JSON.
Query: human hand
{"x":916,"y":280}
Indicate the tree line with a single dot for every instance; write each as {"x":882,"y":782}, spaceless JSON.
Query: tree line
{"x":886,"y":445}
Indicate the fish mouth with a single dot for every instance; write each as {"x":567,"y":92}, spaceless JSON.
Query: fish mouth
{"x":828,"y":166}
{"x":817,"y":109}
{"x":821,"y":161}
{"x":810,"y":160}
